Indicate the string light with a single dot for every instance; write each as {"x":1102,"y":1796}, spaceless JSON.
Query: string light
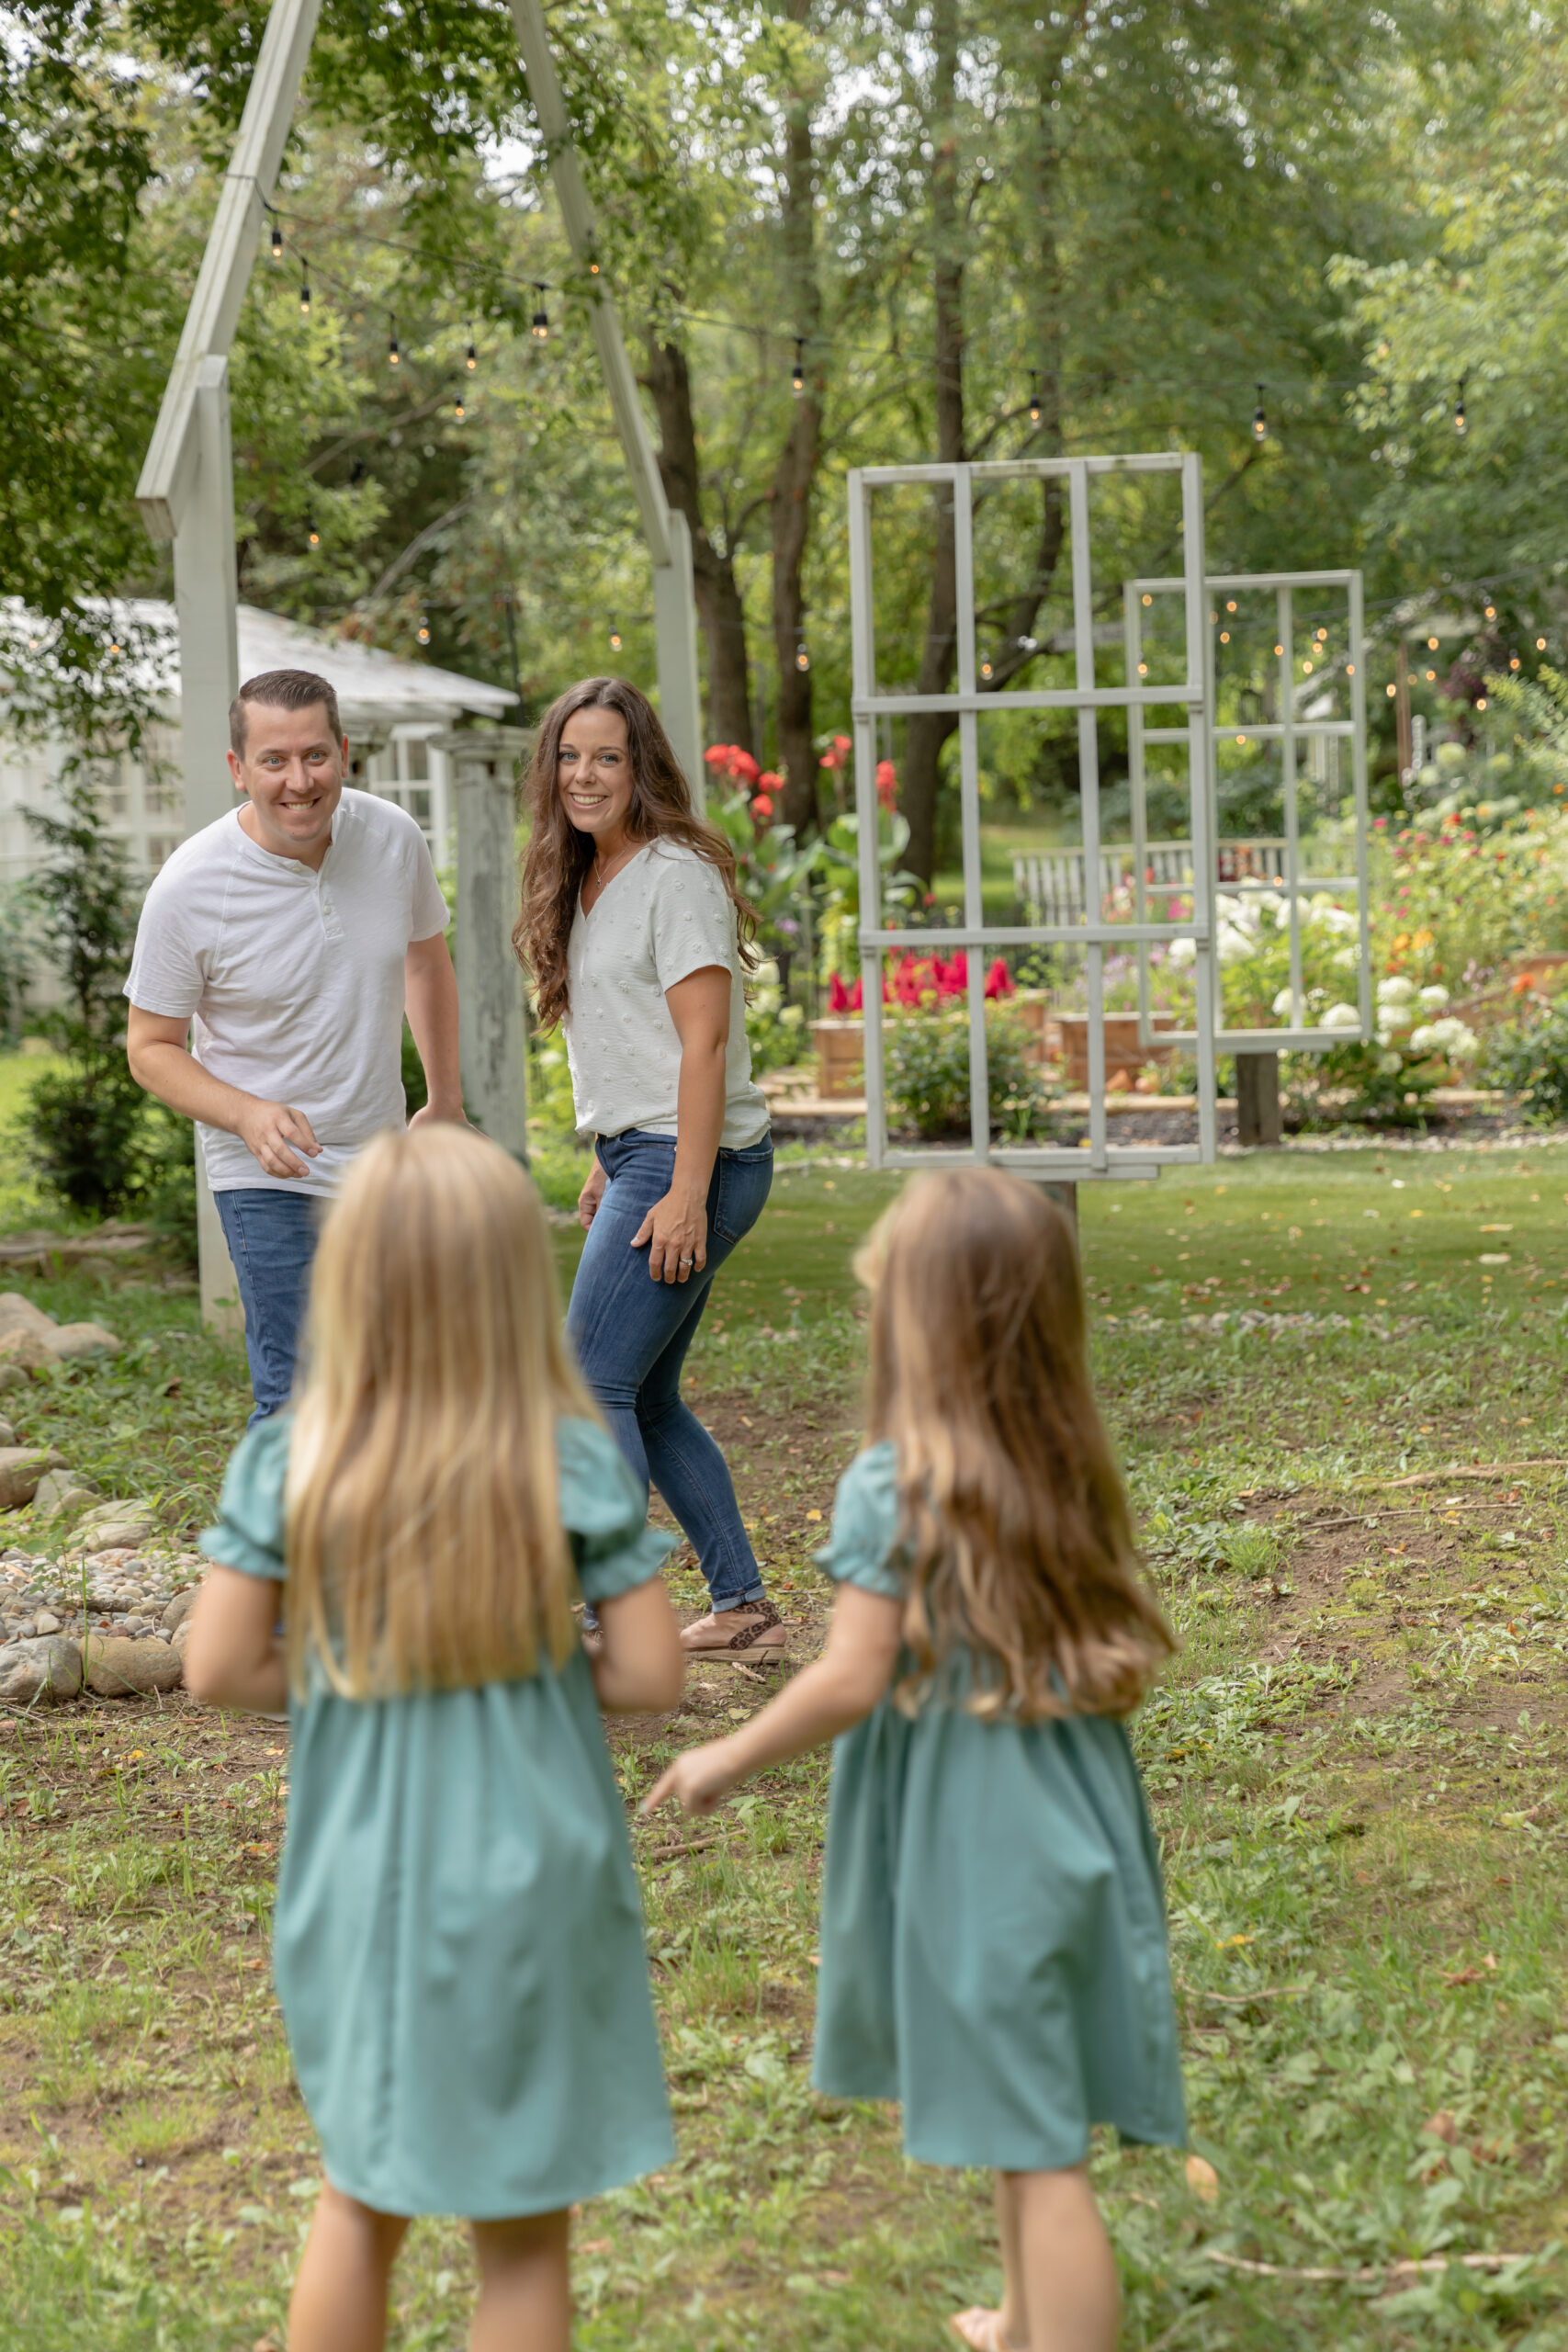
{"x":1035,"y":408}
{"x":423,"y":631}
{"x":1513,"y":660}
{"x":798,"y":373}
{"x":312,"y":533}
{"x":985,"y":669}
{"x":1224,"y":637}
{"x":539,"y":325}
{"x":615,"y":639}
{"x":1491,"y":612}
{"x":276,"y":241}
{"x":593,"y":267}
{"x":1540,"y":645}
{"x":1259,"y":420}
{"x":1461,"y":426}
{"x":1391,"y":691}
{"x":1480,"y":702}
{"x":471,"y":360}
{"x":1431,"y":645}
{"x":458,"y":411}
{"x":394,"y":357}
{"x":304,"y":294}
{"x":1279,"y":648}
{"x":1230,"y":603}
{"x":802,"y":657}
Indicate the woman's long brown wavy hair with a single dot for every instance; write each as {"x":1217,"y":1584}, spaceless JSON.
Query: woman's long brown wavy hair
{"x":1014,"y":1529}
{"x":559,"y":856}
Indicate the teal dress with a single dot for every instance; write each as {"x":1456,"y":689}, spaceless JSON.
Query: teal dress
{"x":993,"y":1926}
{"x":457,"y":1938}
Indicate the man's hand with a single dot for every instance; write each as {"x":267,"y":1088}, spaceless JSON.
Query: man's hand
{"x":267,"y":1129}
{"x":593,"y":1192}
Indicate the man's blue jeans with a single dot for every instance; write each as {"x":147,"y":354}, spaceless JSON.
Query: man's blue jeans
{"x":631,"y":1335}
{"x":272,"y":1239}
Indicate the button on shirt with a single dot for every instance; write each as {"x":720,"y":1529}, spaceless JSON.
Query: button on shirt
{"x":293,"y":981}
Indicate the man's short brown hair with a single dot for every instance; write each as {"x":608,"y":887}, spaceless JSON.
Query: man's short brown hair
{"x":282,"y":690}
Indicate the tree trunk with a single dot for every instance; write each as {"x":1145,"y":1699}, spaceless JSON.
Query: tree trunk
{"x":928,"y":732}
{"x":719,"y":608}
{"x":796,"y":475}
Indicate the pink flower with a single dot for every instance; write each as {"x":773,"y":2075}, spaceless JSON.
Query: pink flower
{"x":998,"y":979}
{"x":886,"y":784}
{"x":838,"y":995}
{"x":836,"y":757}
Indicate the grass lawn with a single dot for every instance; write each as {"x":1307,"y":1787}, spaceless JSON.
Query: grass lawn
{"x":1337,"y":1382}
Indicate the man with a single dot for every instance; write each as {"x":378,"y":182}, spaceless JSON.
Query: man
{"x":288,"y":939}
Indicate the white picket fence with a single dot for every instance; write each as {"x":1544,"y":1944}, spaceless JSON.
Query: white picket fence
{"x":1050,"y":883}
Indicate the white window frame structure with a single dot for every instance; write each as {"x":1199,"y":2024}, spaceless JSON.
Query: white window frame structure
{"x":1060,"y":1163}
{"x":1288,"y":731}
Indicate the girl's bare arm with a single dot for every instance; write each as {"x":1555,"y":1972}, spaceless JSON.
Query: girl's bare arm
{"x":641,"y":1669}
{"x":839,"y":1690}
{"x":233,"y":1656}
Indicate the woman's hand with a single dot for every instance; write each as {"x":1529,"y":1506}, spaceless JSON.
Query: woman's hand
{"x":676,"y":1232}
{"x":593,"y":1192}
{"x":696,"y":1780}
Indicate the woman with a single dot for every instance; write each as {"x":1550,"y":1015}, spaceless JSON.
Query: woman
{"x":638,"y":941}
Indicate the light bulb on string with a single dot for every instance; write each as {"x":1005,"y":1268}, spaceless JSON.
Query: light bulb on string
{"x":798,"y":373}
{"x":314,"y":536}
{"x":1540,"y":645}
{"x":539,"y":325}
{"x":593,"y":265}
{"x":615,"y":639}
{"x":276,"y":241}
{"x":394,"y":357}
{"x":1035,"y":398}
{"x":471,"y":358}
{"x":1480,"y":702}
{"x":1259,"y":419}
{"x":985,"y":667}
{"x":458,"y":411}
{"x":1513,"y":660}
{"x":802,"y":657}
{"x":1491,"y":612}
{"x":1461,"y":424}
{"x":304,"y":295}
{"x":423,"y":631}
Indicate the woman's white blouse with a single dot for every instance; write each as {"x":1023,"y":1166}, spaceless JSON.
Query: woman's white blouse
{"x":665,"y":915}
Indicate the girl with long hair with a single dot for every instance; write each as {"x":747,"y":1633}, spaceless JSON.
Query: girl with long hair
{"x":638,"y":941}
{"x":993,"y":1947}
{"x":458,"y":1936}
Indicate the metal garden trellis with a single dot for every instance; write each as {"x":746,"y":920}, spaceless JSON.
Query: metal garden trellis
{"x":1095,"y":932}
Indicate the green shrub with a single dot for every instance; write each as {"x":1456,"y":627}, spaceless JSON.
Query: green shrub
{"x":926,"y":1057}
{"x":1529,"y":1058}
{"x":83,"y":1129}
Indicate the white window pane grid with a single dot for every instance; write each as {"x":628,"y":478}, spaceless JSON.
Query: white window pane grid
{"x":1093,"y":931}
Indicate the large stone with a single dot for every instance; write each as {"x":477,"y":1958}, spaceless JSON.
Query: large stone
{"x":12,"y":1376}
{"x":41,"y":1672}
{"x":119,"y":1669}
{"x":63,"y":1490}
{"x":8,"y":1435}
{"x":24,"y":1351}
{"x":22,"y":1468}
{"x":116,"y":1525}
{"x":19,"y":1314}
{"x":178,"y":1609}
{"x":75,"y":1340}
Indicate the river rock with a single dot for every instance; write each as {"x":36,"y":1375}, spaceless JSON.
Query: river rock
{"x":42,"y":1671}
{"x":118,"y":1669}
{"x":8,"y":1435}
{"x":178,"y":1609}
{"x":22,"y":1350}
{"x":75,"y":1340}
{"x":119,"y":1525}
{"x":22,"y":1469}
{"x":19,"y":1314}
{"x":64,"y":1490}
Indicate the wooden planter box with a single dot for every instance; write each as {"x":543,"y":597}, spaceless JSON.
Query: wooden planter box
{"x":840,"y":1044}
{"x":1123,"y":1053}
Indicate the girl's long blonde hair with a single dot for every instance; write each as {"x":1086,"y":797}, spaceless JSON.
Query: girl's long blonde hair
{"x":1014,"y":1527}
{"x":424,"y":1534}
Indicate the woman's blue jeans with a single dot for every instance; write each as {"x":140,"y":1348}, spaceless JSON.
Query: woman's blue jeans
{"x":631,"y":1335}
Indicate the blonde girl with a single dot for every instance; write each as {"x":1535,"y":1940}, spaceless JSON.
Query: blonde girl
{"x":457,"y":1942}
{"x":993,"y":1931}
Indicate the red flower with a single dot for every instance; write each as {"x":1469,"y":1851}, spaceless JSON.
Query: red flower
{"x":770,"y":781}
{"x":840,"y":753}
{"x":763,"y":808}
{"x":838,"y":995}
{"x":886,"y":784}
{"x":998,"y":979}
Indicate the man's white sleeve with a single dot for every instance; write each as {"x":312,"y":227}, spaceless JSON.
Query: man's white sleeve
{"x":165,"y":977}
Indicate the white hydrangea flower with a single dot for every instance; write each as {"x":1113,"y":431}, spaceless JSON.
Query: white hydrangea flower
{"x":1395,"y":989}
{"x":1341,"y":1016}
{"x":1285,"y":1006}
{"x":1451,"y":1036}
{"x":1181,"y":952}
{"x":1436,"y":997}
{"x":1323,"y":915}
{"x":1346,"y":959}
{"x":1389,"y":1064}
{"x":792,"y":1016}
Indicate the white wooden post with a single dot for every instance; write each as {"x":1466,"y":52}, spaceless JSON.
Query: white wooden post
{"x":669,"y":539}
{"x":493,"y":1011}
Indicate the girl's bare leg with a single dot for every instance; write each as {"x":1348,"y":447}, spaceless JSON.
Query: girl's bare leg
{"x":340,"y":2294}
{"x":1069,"y":2272}
{"x":1014,"y":2313}
{"x":526,"y":2287}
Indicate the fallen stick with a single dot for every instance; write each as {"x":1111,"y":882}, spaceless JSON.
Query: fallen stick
{"x":1478,"y":1470}
{"x":1369,"y":2276}
{"x":679,"y":1846}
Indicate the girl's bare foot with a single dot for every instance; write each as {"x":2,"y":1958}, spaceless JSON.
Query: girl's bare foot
{"x":982,"y":2330}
